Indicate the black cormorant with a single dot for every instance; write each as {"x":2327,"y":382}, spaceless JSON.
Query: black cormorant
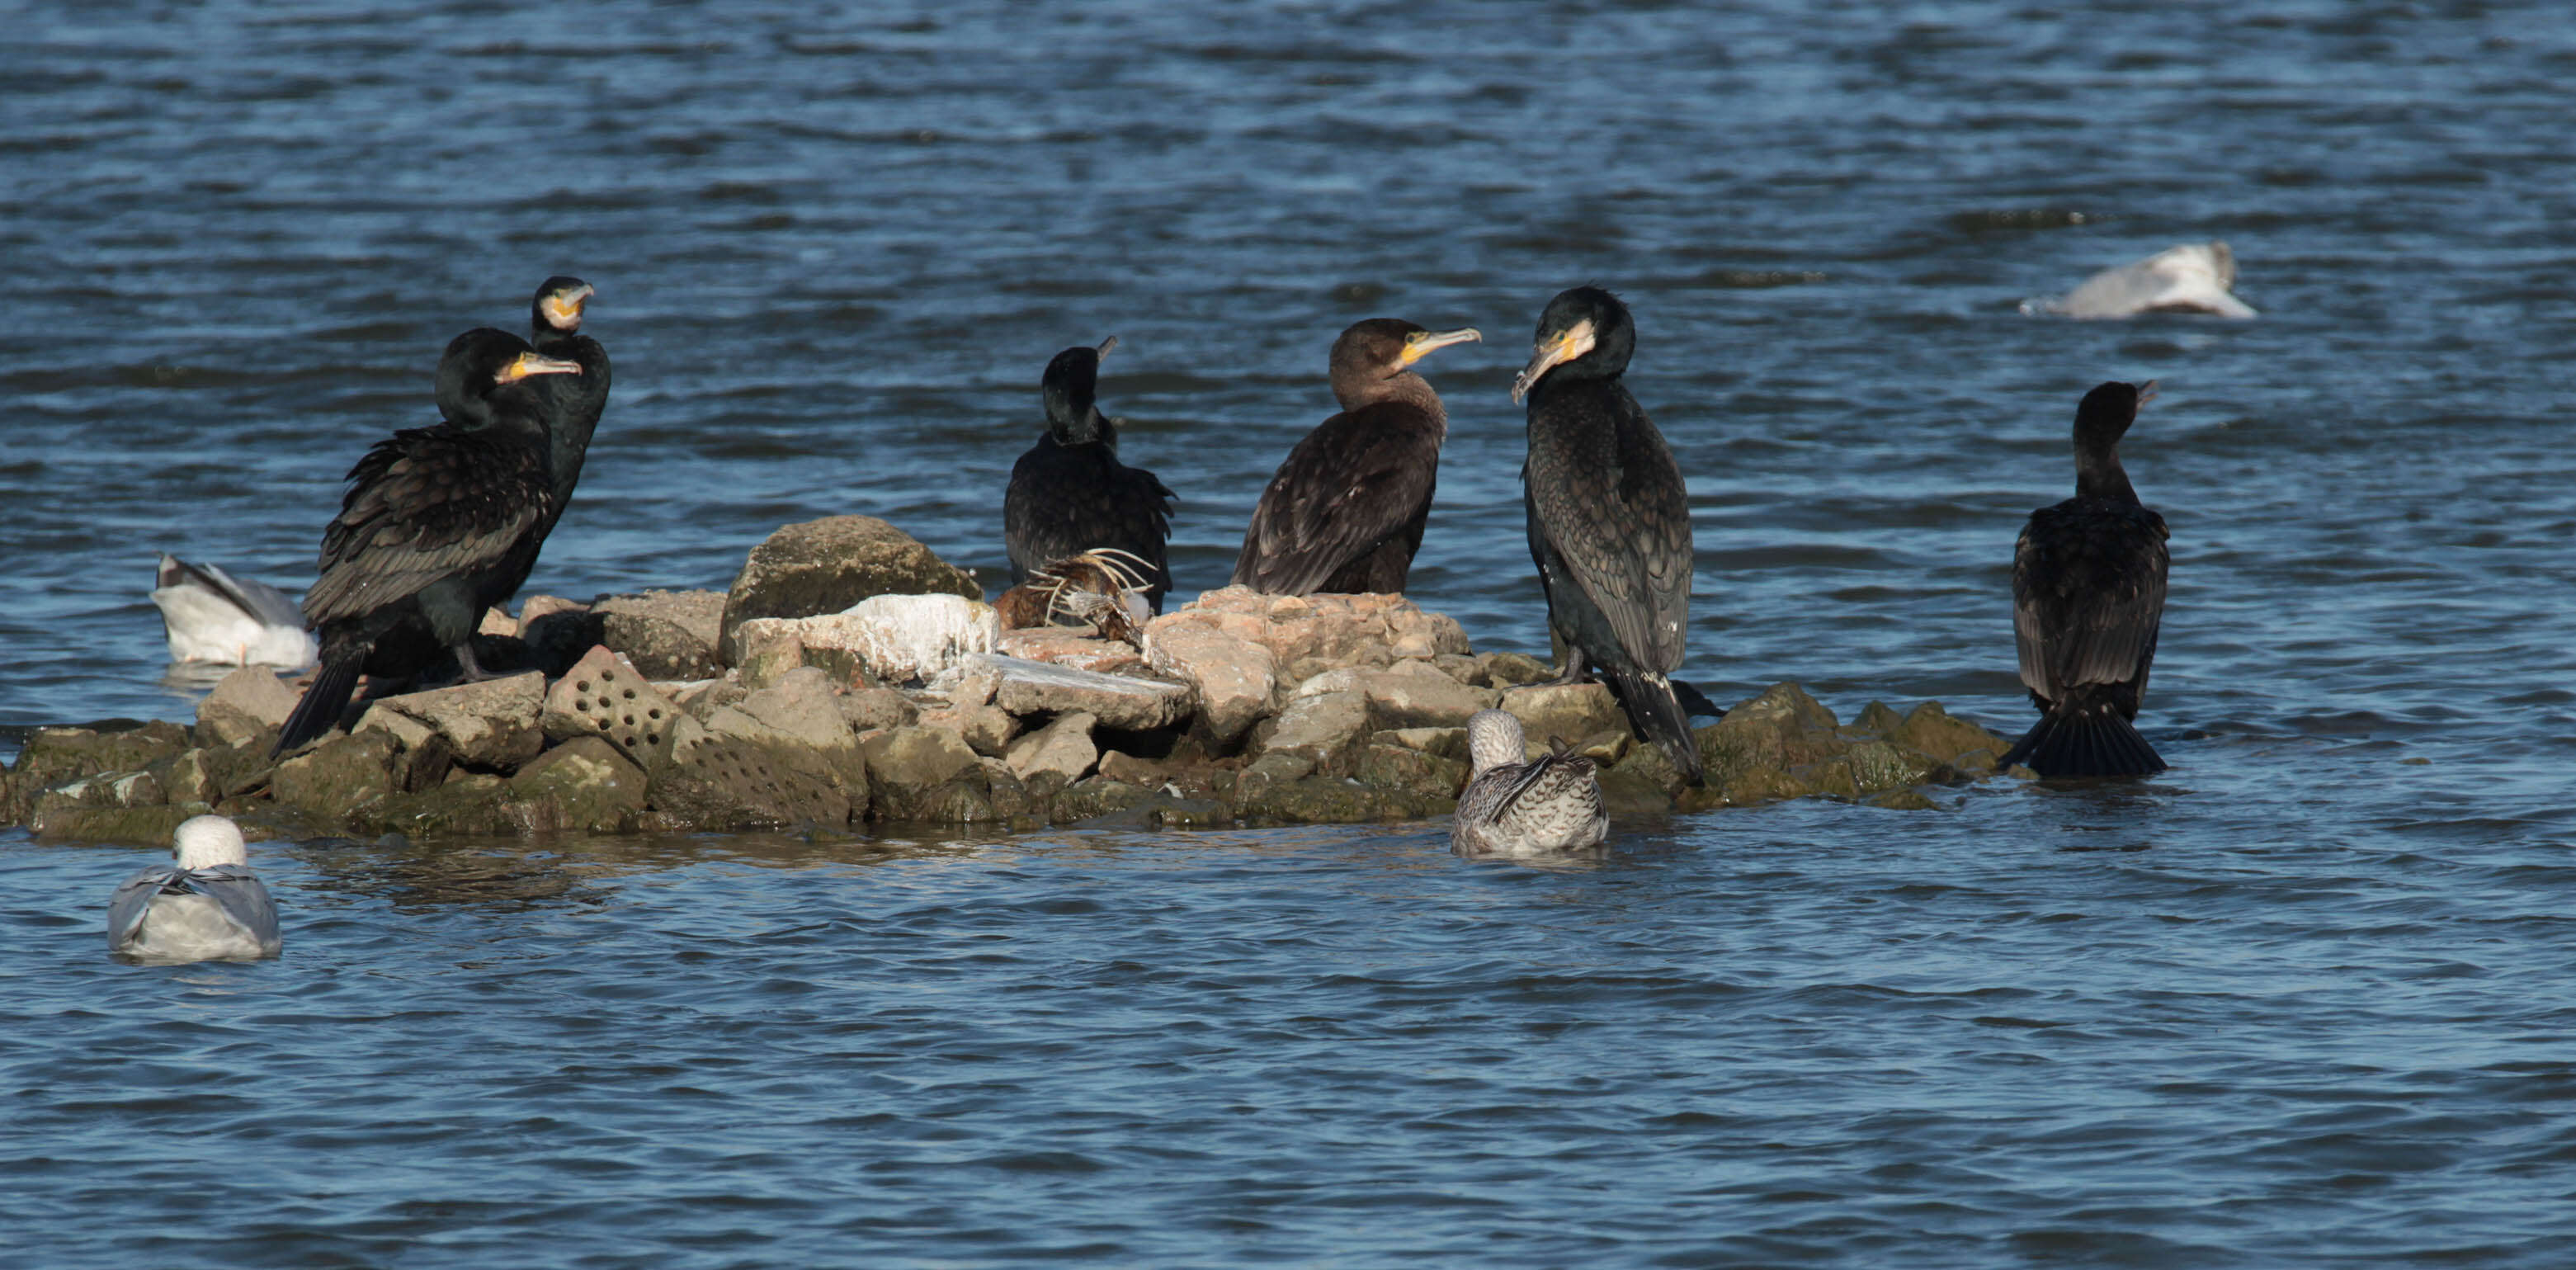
{"x":1609,"y":521}
{"x":433,"y":521}
{"x":571,"y":404}
{"x":1345,"y":511}
{"x":2088,"y":597}
{"x":1069,"y":494}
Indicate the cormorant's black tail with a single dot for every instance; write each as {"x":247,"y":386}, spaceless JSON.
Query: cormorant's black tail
{"x":2085,"y":738}
{"x":1656,"y":713}
{"x":319,"y":711}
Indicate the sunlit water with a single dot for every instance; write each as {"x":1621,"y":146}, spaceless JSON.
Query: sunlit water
{"x":2306,"y":997}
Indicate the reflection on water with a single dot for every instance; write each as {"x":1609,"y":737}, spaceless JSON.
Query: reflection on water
{"x":2297,"y":999}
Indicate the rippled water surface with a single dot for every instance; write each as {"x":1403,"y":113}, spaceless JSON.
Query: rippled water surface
{"x":2304,"y":998}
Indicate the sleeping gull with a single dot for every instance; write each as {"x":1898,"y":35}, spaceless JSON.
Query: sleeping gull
{"x":212,"y":616}
{"x":2191,"y":278}
{"x":205,"y":906}
{"x":1510,"y":807}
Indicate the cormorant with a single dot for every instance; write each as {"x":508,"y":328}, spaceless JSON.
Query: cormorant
{"x":1609,"y":521}
{"x":2088,"y":597}
{"x":1515,"y":805}
{"x":1069,"y":494}
{"x":1345,"y":512}
{"x":434,"y":521}
{"x":205,"y":905}
{"x":571,"y":404}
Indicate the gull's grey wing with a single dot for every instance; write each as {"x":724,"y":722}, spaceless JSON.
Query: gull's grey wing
{"x":257,"y":598}
{"x":244,"y":898}
{"x":133,"y":899}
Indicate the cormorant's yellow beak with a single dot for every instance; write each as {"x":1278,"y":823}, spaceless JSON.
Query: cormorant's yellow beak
{"x":526,"y":364}
{"x":1422,"y":344}
{"x":1105,"y":346}
{"x":1576,"y":341}
{"x":565,"y":310}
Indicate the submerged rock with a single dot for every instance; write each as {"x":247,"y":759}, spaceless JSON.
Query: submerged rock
{"x":826,"y":566}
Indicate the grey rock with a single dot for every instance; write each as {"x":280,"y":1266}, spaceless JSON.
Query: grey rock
{"x":603,"y":696}
{"x":581,"y":786}
{"x":826,"y":566}
{"x":868,"y":709}
{"x":710,"y":780}
{"x":1316,"y":728}
{"x":911,"y":771}
{"x":492,"y":724}
{"x":1235,"y":679}
{"x":1057,"y":755}
{"x":1117,"y":701}
{"x":1096,"y":797}
{"x":664,"y":634}
{"x":244,"y":704}
{"x":801,"y":712}
{"x":1507,"y":670}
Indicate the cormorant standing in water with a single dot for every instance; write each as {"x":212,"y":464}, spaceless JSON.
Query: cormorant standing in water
{"x":2088,"y":597}
{"x":1345,"y":511}
{"x":1609,"y":522}
{"x":1069,"y":493}
{"x":433,"y":521}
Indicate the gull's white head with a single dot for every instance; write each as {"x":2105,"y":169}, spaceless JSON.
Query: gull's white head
{"x":206,"y":841}
{"x":1494,"y":739}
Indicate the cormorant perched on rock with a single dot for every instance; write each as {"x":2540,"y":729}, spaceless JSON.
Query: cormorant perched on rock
{"x":1345,"y":512}
{"x":1516,"y":805}
{"x":1069,"y":493}
{"x":1609,"y":521}
{"x":433,"y":522}
{"x":571,"y":404}
{"x":2088,"y":597}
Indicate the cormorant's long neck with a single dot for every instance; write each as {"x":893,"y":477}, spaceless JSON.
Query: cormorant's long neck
{"x":2098,"y":474}
{"x":1409,"y":389}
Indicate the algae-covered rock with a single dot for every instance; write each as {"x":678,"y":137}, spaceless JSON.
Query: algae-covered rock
{"x":1325,"y":800}
{"x":664,"y":634}
{"x":144,"y":825}
{"x":708,"y":780}
{"x":826,"y":566}
{"x":1932,"y":731}
{"x":1427,"y":777}
{"x":1511,"y":670}
{"x":213,"y":773}
{"x":337,"y":776}
{"x":57,"y":808}
{"x":581,"y":786}
{"x":1779,"y":729}
{"x":1903,"y":800}
{"x":924,"y":774}
{"x":1578,"y":712}
{"x":53,"y":756}
{"x":1094,"y":797}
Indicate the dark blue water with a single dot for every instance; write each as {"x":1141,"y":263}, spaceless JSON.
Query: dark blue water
{"x":2303,"y":999}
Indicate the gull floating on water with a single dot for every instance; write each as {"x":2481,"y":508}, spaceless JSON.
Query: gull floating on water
{"x":204,"y":906}
{"x":212,"y":616}
{"x":1548,"y":804}
{"x":2191,"y":278}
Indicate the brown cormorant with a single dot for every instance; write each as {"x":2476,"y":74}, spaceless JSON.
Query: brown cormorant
{"x":1069,"y":494}
{"x":1345,"y":511}
{"x":2088,"y":597}
{"x":433,"y":521}
{"x":1609,"y":521}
